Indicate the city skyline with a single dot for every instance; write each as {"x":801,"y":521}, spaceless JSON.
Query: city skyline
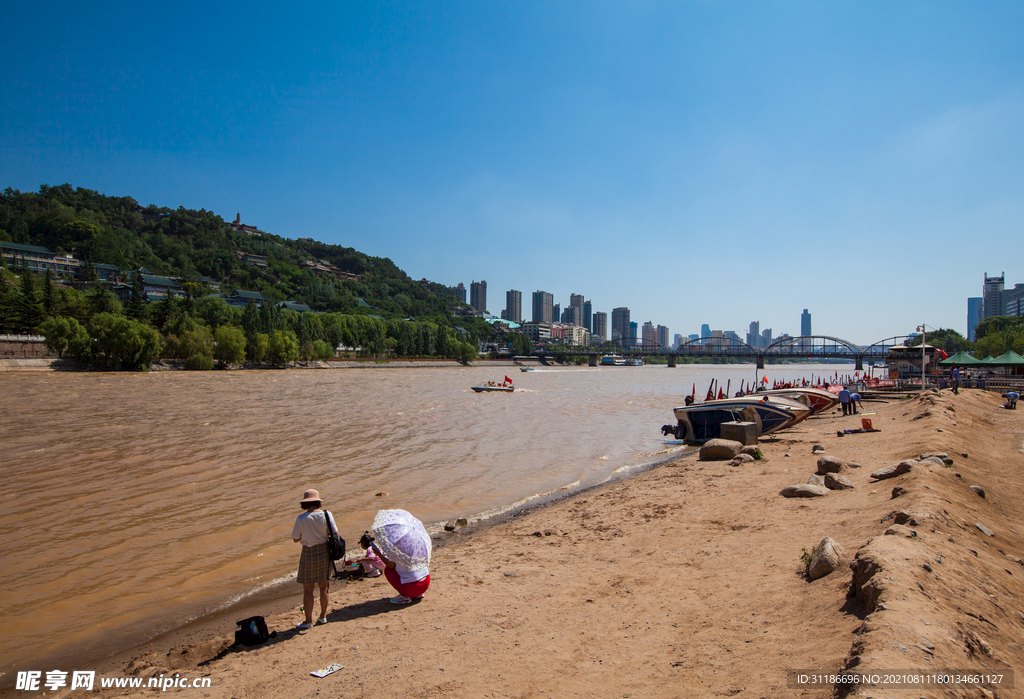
{"x":688,"y":155}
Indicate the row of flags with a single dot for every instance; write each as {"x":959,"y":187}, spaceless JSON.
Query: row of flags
{"x":715,"y":390}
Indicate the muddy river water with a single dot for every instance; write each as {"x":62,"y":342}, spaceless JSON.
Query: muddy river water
{"x":133,"y":503}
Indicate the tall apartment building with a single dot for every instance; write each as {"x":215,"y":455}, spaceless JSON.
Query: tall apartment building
{"x":805,"y":323}
{"x":974,"y":311}
{"x":992,"y":290}
{"x":754,"y":334}
{"x":649,"y":335}
{"x":766,"y":337}
{"x":620,"y":323}
{"x":573,"y":315}
{"x":478,"y":295}
{"x":556,"y":313}
{"x":678,"y":340}
{"x":634,"y":333}
{"x":600,"y":331}
{"x":662,"y":335}
{"x":542,"y":306}
{"x":513,"y":306}
{"x":576,"y":301}
{"x":460,"y":292}
{"x":588,"y":316}
{"x":705,"y":330}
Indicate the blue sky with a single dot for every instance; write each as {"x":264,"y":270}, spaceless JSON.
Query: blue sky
{"x":697,"y":162}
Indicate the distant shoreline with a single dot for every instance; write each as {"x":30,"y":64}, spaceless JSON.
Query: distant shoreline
{"x":65,"y":364}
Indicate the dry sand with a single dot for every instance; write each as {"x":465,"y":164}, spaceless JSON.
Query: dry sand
{"x":685,"y":581}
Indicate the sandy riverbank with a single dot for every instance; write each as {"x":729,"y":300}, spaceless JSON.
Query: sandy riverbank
{"x":685,"y":581}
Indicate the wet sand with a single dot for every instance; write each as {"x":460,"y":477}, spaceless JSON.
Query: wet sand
{"x":684,"y":581}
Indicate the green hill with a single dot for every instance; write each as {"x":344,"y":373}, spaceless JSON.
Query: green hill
{"x":193,"y":244}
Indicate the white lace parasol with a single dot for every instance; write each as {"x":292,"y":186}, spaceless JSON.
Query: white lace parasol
{"x":402,"y":538}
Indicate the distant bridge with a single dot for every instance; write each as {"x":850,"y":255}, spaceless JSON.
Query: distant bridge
{"x":813,"y":347}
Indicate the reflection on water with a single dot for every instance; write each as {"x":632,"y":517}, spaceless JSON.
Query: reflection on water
{"x":135,"y":502}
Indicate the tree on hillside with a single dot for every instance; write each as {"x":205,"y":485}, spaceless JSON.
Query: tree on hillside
{"x":104,"y":301}
{"x":136,"y":307}
{"x":30,"y":310}
{"x":49,"y":298}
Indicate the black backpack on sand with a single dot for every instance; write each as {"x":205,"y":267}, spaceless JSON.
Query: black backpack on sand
{"x":252,"y":631}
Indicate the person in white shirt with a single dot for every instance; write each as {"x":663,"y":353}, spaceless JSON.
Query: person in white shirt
{"x":310,"y":530}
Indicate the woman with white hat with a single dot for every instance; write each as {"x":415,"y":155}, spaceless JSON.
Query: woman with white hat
{"x":310,"y":530}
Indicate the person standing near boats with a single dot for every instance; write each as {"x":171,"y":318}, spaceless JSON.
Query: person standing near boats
{"x":844,"y":399}
{"x":310,"y":530}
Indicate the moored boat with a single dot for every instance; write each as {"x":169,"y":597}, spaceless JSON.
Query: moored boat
{"x":817,"y":399}
{"x":697,"y":424}
{"x":776,"y":412}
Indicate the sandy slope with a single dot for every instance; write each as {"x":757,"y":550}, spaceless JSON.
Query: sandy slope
{"x":687,"y":581}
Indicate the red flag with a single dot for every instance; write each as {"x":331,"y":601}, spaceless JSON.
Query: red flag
{"x":710,"y":394}
{"x":721,"y":395}
{"x":508,"y":380}
{"x":694,"y":391}
{"x":764,"y":379}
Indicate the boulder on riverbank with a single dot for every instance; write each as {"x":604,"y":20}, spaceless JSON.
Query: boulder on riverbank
{"x":719,"y":450}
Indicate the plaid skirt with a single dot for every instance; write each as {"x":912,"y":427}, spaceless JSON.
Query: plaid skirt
{"x":314,"y":564}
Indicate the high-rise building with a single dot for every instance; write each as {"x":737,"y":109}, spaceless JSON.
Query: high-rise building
{"x":556,"y":313}
{"x":991,"y":291}
{"x":588,"y":313}
{"x":620,"y":324}
{"x":705,"y":330}
{"x":576,"y":301}
{"x":677,"y":340}
{"x":662,"y":335}
{"x":805,"y":323}
{"x":513,"y":306}
{"x":974,"y":310}
{"x":766,"y":337}
{"x":754,"y":334}
{"x":600,"y":331}
{"x":478,"y":295}
{"x":634,"y":333}
{"x":460,"y":292}
{"x":649,"y":335}
{"x":1011,"y":301}
{"x":542,"y":301}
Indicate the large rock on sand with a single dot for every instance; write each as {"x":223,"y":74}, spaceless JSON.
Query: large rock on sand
{"x":804,"y":490}
{"x":893,"y":471}
{"x":836,"y":481}
{"x":719,"y":450}
{"x":829,"y":464}
{"x":827,"y":558}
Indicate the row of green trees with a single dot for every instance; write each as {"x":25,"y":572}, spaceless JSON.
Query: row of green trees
{"x":205,"y":331}
{"x":993,"y":337}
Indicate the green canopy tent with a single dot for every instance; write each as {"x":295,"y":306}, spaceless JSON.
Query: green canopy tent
{"x":961,"y":358}
{"x":1009,"y":358}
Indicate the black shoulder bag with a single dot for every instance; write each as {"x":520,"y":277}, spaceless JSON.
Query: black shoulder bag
{"x":335,"y":544}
